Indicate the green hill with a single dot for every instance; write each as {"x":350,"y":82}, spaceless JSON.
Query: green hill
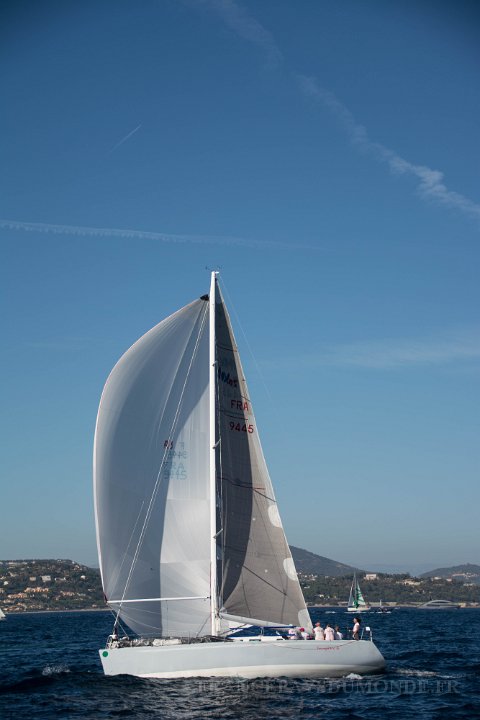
{"x":36,"y":585}
{"x":307,"y":563}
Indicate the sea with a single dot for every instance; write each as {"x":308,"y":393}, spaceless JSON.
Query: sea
{"x":50,"y":668}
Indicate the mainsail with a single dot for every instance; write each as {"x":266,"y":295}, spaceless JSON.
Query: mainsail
{"x":258,"y":577}
{"x":153,"y":504}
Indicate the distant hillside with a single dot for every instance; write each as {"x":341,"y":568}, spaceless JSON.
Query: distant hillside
{"x":462,"y":573}
{"x":32,"y":585}
{"x":36,"y":585}
{"x":308,"y":563}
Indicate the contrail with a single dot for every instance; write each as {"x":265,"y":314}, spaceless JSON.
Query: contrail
{"x":462,"y":345}
{"x":430,"y":182}
{"x":132,"y":132}
{"x":81,"y":231}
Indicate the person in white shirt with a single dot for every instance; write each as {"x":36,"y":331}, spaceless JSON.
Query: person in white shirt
{"x":329,"y":634}
{"x":318,"y":630}
{"x":305,"y":634}
{"x":356,"y":628}
{"x":338,"y":634}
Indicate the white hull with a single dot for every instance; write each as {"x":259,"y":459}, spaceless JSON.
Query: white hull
{"x":358,"y":609}
{"x":285,"y":658}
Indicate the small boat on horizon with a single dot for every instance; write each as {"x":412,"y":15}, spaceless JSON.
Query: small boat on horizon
{"x":439,"y":605}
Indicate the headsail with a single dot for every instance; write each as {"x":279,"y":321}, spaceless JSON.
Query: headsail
{"x":360,"y":600}
{"x":258,"y":577}
{"x":151,"y":479}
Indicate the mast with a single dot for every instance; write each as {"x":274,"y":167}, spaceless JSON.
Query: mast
{"x":352,"y":596}
{"x":213,"y":470}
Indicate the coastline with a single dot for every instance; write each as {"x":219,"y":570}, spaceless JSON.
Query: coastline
{"x":45,"y":612}
{"x":473,"y":606}
{"x":401,"y":606}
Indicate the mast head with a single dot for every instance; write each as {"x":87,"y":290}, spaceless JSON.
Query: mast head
{"x":213,"y":273}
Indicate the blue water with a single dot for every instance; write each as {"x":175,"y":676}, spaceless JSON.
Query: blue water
{"x":49,"y":668}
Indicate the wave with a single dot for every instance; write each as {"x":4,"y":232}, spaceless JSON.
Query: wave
{"x":413,"y":672}
{"x":416,"y":673}
{"x":34,"y":682}
{"x":55,"y":670}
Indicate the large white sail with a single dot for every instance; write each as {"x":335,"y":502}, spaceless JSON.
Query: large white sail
{"x":151,"y":479}
{"x":257,"y":574}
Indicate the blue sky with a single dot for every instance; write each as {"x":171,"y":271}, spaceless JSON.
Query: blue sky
{"x":325,"y":156}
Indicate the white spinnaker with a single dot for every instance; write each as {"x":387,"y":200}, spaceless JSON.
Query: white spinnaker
{"x":151,"y":479}
{"x":258,"y":577}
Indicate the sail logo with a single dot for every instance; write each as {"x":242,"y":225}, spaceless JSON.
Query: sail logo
{"x":227,"y":378}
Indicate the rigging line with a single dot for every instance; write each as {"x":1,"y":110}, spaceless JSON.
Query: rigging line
{"x":128,"y":545}
{"x":166,"y":450}
{"x":257,"y":366}
{"x":202,"y":626}
{"x":261,"y":492}
{"x":160,"y":421}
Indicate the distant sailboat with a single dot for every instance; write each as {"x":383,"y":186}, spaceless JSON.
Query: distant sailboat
{"x":356,"y":601}
{"x":2,"y":615}
{"x":189,"y":535}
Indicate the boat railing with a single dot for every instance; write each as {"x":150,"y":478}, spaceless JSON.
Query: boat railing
{"x":367,"y":630}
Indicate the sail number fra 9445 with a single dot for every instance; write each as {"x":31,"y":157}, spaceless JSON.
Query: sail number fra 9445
{"x":241,"y":427}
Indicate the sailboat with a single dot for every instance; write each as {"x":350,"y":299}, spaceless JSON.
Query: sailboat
{"x":356,"y":601}
{"x":189,"y":535}
{"x":2,"y":615}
